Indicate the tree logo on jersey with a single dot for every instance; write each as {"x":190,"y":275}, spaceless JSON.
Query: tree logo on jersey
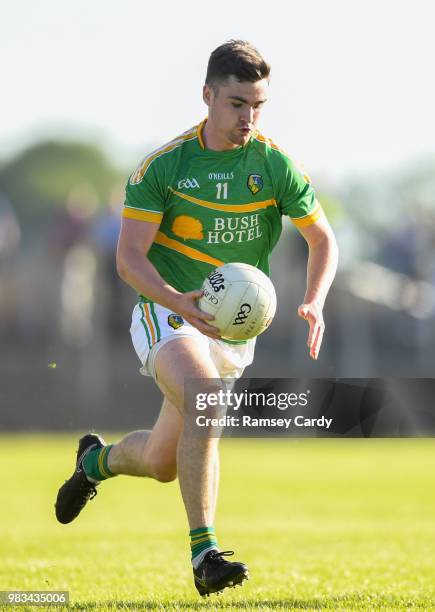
{"x":187,"y":228}
{"x":175,"y":321}
{"x":255,"y":183}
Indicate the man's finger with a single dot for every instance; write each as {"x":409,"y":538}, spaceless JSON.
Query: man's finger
{"x":204,"y":315}
{"x":210,"y":330}
{"x":196,"y":293}
{"x":311,"y":333}
{"x":317,"y":343}
{"x":200,"y":314}
{"x":197,"y":312}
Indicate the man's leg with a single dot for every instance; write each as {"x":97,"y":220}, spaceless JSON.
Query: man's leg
{"x":198,"y":465}
{"x":216,"y":471}
{"x":150,"y":453}
{"x":196,"y":454}
{"x":154,"y":454}
{"x":141,"y":453}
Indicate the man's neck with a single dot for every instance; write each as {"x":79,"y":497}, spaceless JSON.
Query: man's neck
{"x":213,"y":141}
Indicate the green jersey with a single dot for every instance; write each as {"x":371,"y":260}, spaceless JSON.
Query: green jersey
{"x":216,"y":207}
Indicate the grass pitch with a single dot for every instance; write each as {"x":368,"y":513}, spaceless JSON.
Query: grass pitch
{"x":322,"y":524}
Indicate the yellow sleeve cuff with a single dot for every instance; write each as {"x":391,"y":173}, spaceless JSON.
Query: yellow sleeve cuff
{"x":308,"y":219}
{"x":142,"y":215}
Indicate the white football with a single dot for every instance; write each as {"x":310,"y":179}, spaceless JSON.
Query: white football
{"x":241,"y":298}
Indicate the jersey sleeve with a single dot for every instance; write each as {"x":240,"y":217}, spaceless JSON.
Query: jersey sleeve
{"x":145,"y":193}
{"x":295,"y":195}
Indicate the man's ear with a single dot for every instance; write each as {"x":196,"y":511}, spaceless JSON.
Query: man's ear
{"x":206,"y":94}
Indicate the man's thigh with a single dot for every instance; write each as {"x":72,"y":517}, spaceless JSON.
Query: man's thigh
{"x":179,"y":361}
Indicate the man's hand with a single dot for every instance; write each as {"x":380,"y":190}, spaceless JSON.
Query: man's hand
{"x":312,"y":312}
{"x":186,"y":306}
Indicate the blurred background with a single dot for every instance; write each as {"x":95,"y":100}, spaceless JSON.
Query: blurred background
{"x":90,"y":88}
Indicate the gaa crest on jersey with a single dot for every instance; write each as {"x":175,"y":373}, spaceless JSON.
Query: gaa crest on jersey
{"x":175,"y":321}
{"x":255,"y":183}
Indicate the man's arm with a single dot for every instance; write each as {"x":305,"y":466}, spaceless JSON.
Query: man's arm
{"x":321,"y":269}
{"x":133,"y":266}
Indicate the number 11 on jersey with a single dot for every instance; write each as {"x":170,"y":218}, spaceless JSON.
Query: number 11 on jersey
{"x":222,"y":191}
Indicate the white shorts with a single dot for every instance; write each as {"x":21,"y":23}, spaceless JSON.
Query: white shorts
{"x":152,"y":326}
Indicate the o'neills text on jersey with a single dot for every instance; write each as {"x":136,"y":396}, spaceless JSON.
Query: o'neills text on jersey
{"x":221,"y":176}
{"x":234,"y":229}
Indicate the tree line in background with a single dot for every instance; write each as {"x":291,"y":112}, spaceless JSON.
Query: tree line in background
{"x":42,"y":179}
{"x":62,"y":302}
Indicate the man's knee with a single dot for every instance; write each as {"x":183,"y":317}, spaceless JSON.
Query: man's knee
{"x":164,"y":473}
{"x":161,"y":469}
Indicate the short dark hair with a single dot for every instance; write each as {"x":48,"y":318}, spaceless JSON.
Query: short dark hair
{"x":238,"y":58}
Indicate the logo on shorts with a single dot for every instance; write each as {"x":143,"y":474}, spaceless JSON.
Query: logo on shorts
{"x":255,"y":183}
{"x":175,"y":321}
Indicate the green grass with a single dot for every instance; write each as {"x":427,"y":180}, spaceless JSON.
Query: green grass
{"x":322,"y":524}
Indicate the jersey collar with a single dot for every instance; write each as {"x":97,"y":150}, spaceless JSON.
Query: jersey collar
{"x":199,"y":131}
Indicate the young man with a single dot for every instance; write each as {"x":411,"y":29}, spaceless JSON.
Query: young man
{"x":213,"y":195}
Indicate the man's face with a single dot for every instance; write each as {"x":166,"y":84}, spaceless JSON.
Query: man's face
{"x":235,"y":108}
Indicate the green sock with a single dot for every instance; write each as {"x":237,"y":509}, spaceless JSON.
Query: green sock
{"x":95,"y":463}
{"x":202,"y":540}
